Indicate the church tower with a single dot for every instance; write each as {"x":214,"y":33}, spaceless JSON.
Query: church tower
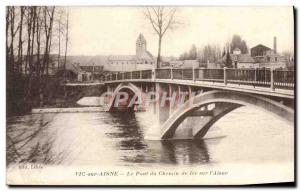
{"x":141,"y":45}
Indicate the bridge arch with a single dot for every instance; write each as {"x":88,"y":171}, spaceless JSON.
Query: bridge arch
{"x":123,"y":87}
{"x":223,"y":102}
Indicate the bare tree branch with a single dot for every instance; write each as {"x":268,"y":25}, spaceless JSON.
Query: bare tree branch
{"x":161,"y":19}
{"x":154,"y":25}
{"x":170,"y":20}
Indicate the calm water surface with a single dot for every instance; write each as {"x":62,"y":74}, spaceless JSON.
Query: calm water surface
{"x":245,"y":136}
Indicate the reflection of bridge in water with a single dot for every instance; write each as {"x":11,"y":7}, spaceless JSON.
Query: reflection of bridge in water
{"x":175,"y":151}
{"x":218,"y":92}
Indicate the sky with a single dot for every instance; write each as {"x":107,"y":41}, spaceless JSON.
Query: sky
{"x":114,"y":30}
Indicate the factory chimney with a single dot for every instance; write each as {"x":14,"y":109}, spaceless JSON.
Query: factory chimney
{"x":275,"y":45}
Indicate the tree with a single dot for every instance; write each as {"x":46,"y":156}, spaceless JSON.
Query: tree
{"x":20,"y":48}
{"x":38,"y":41}
{"x":223,"y":53}
{"x":66,"y":49}
{"x":59,"y":32}
{"x":228,"y":61}
{"x":210,"y":53}
{"x":6,"y":32}
{"x":184,"y":56}
{"x":193,"y":53}
{"x":161,"y":19}
{"x":13,"y":33}
{"x":29,"y":35}
{"x":288,"y":56}
{"x":237,"y":42}
{"x":48,"y":24}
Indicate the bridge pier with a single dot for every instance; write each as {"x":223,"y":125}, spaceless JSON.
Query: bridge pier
{"x":162,"y":107}
{"x":172,"y":99}
{"x":161,"y":112}
{"x":146,"y":90}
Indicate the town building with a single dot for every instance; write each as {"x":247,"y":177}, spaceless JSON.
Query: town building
{"x":86,"y":68}
{"x":211,"y":65}
{"x":95,"y":67}
{"x":190,"y":64}
{"x":73,"y":72}
{"x":170,"y":62}
{"x":142,"y":60}
{"x":240,"y":60}
{"x":260,"y":57}
{"x":267,"y":57}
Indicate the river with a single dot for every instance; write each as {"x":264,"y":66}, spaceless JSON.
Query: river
{"x":246,"y":137}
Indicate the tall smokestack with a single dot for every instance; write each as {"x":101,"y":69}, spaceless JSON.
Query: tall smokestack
{"x":275,"y":45}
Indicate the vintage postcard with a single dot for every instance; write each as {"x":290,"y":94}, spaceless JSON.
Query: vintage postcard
{"x":149,"y":95}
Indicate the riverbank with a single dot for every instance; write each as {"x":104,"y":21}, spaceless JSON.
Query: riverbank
{"x":85,"y":104}
{"x":69,"y":110}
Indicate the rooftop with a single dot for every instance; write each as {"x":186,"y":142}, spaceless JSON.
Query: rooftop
{"x":122,"y":57}
{"x":243,"y":58}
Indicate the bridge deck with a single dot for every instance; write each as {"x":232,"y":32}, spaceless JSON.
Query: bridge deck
{"x":85,"y":84}
{"x":218,"y":85}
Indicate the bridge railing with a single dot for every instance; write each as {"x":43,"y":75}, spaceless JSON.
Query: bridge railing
{"x":146,"y":74}
{"x":177,"y":74}
{"x":213,"y":75}
{"x":255,"y":77}
{"x":120,"y":76}
{"x":136,"y":75}
{"x":283,"y":79}
{"x":163,"y":73}
{"x":141,"y":74}
{"x":187,"y":73}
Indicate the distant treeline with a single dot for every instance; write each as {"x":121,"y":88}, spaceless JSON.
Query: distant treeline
{"x":214,"y":52}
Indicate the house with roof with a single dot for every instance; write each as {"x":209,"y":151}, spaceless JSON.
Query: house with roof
{"x":142,"y":60}
{"x":260,"y":57}
{"x":239,"y":60}
{"x":267,"y":57}
{"x":73,"y":72}
{"x":87,"y":67}
{"x":175,"y":63}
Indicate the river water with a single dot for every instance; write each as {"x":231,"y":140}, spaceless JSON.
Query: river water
{"x":247,"y":137}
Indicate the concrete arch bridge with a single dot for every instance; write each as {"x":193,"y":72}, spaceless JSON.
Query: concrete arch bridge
{"x":200,"y":97}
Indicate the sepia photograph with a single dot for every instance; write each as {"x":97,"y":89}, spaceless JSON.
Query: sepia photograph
{"x":150,"y":95}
